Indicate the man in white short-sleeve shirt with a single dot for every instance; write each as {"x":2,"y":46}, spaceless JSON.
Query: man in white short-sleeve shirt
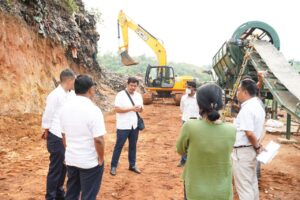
{"x":83,"y":129}
{"x":127,"y":124}
{"x":249,"y":122}
{"x":189,"y":109}
{"x":52,"y":134}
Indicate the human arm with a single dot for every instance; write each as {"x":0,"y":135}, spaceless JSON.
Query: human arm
{"x":64,"y":139}
{"x":183,"y":140}
{"x":247,"y":124}
{"x":260,"y":76}
{"x":98,"y":130}
{"x":125,"y":110}
{"x":182,"y":104}
{"x":99,"y":146}
{"x":253,"y":140}
{"x":48,"y":115}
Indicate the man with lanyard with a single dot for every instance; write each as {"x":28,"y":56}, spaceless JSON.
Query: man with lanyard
{"x":250,"y":123}
{"x":127,"y":124}
{"x":52,"y":133}
{"x":189,"y":109}
{"x":83,"y":133}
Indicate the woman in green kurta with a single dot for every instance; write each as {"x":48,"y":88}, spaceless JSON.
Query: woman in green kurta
{"x":208,"y":144}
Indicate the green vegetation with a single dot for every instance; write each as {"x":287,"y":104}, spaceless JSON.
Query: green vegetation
{"x":113,"y":62}
{"x":72,"y":5}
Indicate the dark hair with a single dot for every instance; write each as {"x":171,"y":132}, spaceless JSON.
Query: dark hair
{"x":66,"y":74}
{"x":250,"y":86}
{"x":209,"y":99}
{"x":191,"y":83}
{"x":83,"y":83}
{"x":132,"y":80}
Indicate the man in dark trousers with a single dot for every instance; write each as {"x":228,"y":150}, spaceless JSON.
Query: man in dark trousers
{"x":127,"y":124}
{"x":52,"y":133}
{"x":83,"y":133}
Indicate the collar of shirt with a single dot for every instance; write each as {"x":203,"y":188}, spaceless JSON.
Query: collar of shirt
{"x":61,"y":89}
{"x":249,"y":100}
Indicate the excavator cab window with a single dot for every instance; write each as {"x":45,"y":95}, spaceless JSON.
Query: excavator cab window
{"x":160,"y":77}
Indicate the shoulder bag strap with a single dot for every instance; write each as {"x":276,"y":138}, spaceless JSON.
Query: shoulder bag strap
{"x":132,"y":102}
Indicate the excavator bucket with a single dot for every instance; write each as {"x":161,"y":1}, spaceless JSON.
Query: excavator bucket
{"x":127,"y":60}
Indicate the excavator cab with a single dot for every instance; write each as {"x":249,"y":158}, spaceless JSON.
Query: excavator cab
{"x":159,"y":77}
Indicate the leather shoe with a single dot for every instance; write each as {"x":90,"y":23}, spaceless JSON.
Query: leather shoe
{"x":135,"y":169}
{"x":113,"y":171}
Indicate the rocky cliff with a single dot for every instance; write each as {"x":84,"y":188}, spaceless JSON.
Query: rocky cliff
{"x":38,"y":39}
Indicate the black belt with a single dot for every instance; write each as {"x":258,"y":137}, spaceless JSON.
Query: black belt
{"x":242,"y":146}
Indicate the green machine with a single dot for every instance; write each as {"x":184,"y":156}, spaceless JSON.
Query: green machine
{"x":254,"y":47}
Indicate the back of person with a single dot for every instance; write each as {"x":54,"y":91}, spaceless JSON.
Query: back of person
{"x":208,"y":144}
{"x":208,"y":165}
{"x":80,"y":150}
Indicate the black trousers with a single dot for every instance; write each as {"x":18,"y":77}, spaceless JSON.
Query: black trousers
{"x":57,"y":168}
{"x":86,"y":181}
{"x":122,"y":136}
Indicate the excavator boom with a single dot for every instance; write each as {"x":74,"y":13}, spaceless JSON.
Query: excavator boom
{"x":125,"y":23}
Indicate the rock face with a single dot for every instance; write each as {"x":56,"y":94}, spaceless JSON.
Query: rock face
{"x":38,"y":39}
{"x":53,"y":19}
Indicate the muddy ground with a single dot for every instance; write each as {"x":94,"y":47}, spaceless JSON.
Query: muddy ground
{"x":24,"y":161}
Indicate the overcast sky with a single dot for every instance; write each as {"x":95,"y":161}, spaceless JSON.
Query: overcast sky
{"x":192,"y":31}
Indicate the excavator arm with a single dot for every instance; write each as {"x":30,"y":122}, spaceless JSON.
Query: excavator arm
{"x":125,"y":23}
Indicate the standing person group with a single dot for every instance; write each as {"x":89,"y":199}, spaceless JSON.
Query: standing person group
{"x":74,"y":130}
{"x":216,"y":149}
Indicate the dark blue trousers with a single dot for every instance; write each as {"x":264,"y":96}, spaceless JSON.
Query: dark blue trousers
{"x":86,"y":181}
{"x":122,"y":136}
{"x":57,"y":168}
{"x":183,"y":157}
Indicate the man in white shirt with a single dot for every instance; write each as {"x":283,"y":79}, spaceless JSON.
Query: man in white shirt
{"x":250,"y":122}
{"x":83,"y":133}
{"x":189,"y":109}
{"x":127,"y":124}
{"x":52,"y":133}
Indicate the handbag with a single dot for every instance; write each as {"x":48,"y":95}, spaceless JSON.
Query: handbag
{"x":140,"y":124}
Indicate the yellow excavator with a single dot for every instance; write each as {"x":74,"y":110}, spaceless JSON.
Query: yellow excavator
{"x":160,"y":81}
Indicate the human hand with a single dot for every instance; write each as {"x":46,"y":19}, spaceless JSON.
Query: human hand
{"x":259,"y":149}
{"x":137,"y":108}
{"x":45,"y":134}
{"x":100,"y":161}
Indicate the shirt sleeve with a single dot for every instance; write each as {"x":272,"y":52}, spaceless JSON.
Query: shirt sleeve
{"x":141,"y":102}
{"x":181,"y":103}
{"x":97,"y":124}
{"x":49,"y":111}
{"x":118,"y":100}
{"x":61,"y":120}
{"x":183,"y":140}
{"x":246,"y":121}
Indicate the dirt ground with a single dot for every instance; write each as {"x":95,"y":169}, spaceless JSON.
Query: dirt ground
{"x":24,"y":161}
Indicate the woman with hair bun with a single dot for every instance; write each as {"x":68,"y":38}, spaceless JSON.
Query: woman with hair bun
{"x":208,"y":143}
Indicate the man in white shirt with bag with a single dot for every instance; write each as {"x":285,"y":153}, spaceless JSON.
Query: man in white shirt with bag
{"x":127,"y":124}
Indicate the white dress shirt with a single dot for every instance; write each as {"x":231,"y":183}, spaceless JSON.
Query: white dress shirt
{"x":81,"y":122}
{"x":250,"y":118}
{"x":55,"y":101}
{"x":127,"y":121}
{"x":189,"y":107}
